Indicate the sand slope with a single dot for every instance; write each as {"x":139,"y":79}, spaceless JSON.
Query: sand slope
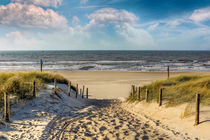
{"x":30,"y":118}
{"x":172,"y":120}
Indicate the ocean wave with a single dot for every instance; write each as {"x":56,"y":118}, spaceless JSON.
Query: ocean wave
{"x":137,"y":65}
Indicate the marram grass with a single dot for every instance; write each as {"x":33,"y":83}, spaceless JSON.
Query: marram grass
{"x":177,"y":90}
{"x":19,"y":84}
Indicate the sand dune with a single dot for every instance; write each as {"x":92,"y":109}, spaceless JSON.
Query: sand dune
{"x":49,"y":117}
{"x":100,"y":117}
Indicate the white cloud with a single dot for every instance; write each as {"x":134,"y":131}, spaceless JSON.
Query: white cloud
{"x":174,"y":23}
{"x":30,"y":16}
{"x":113,"y":16}
{"x":19,"y":41}
{"x":201,"y":15}
{"x":45,"y":3}
{"x":124,"y":34}
{"x":153,"y":26}
{"x":189,"y":39}
{"x":84,"y":1}
{"x":75,"y":20}
{"x":124,"y":24}
{"x":135,"y":36}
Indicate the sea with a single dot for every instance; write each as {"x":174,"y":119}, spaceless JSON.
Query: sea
{"x":105,"y":60}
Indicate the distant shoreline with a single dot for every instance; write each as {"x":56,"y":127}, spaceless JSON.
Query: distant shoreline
{"x":106,"y":60}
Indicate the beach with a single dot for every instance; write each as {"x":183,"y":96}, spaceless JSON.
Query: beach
{"x":105,"y":115}
{"x":104,"y":70}
{"x":115,"y":84}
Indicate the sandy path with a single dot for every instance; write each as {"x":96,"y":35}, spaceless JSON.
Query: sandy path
{"x":49,"y":117}
{"x":103,"y":120}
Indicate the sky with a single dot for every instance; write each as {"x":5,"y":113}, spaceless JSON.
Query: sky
{"x":104,"y":25}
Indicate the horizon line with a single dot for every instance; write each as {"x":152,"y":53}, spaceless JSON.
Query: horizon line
{"x":103,"y":50}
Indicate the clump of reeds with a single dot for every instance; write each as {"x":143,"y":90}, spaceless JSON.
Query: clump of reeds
{"x":178,"y":90}
{"x":20,"y":84}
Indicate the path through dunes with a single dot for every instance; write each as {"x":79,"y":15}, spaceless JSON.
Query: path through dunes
{"x":50,"y":117}
{"x":103,"y":120}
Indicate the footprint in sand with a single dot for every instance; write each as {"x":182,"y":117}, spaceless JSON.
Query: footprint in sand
{"x":109,"y":122}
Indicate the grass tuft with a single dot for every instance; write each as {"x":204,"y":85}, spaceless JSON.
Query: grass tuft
{"x":188,"y":111}
{"x":178,"y":90}
{"x":20,"y":84}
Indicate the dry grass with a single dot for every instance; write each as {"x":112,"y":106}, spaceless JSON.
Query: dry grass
{"x":19,"y":84}
{"x":178,"y":90}
{"x":188,"y":111}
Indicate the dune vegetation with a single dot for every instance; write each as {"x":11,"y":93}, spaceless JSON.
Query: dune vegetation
{"x":177,"y":90}
{"x":20,"y":84}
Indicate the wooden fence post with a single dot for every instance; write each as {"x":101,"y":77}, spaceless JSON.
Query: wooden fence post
{"x":41,"y":63}
{"x":77,"y":90}
{"x":133,"y":90}
{"x":197,"y":111}
{"x":55,"y":82}
{"x":139,"y":91}
{"x":87,"y":93}
{"x":147,"y":94}
{"x":6,"y":107}
{"x":168,"y":72}
{"x":34,"y":89}
{"x":160,"y":97}
{"x":82,"y":92}
{"x":69,"y":88}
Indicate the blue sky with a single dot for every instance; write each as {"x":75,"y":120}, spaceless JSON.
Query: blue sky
{"x":104,"y":25}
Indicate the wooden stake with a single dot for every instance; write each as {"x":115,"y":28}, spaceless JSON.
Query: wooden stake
{"x":6,"y":107}
{"x":168,"y":72}
{"x":77,"y":88}
{"x":139,"y":91}
{"x":34,"y":89}
{"x":197,"y":110}
{"x":87,"y":93}
{"x":69,"y":89}
{"x":41,"y":63}
{"x":82,"y":93}
{"x":160,"y":97}
{"x":133,"y":90}
{"x":55,"y":82}
{"x":83,"y":90}
{"x":147,"y":95}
